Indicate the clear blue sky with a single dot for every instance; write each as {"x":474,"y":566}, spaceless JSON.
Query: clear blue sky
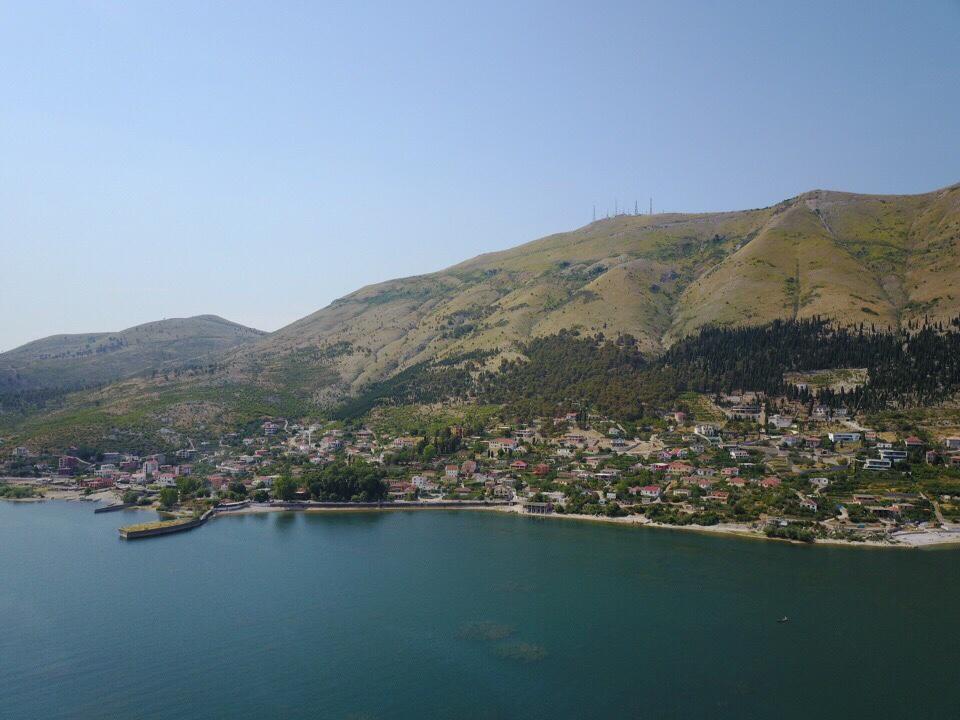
{"x":258,"y":160}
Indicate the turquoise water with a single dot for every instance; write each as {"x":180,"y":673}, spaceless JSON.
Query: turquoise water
{"x":461,"y":615}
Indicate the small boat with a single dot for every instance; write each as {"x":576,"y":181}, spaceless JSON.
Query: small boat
{"x":783,"y":619}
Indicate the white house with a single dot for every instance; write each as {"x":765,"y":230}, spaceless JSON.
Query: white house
{"x":843,"y":437}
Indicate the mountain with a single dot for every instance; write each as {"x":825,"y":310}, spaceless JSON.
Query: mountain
{"x":883,"y":261}
{"x":69,"y":362}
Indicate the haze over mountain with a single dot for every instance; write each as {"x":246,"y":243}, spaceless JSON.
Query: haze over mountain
{"x":882,"y":261}
{"x":67,"y":362}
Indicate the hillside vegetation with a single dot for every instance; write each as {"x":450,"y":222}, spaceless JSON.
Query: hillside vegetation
{"x":42,"y":369}
{"x":883,"y":262}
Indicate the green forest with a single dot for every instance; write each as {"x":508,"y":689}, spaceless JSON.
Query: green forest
{"x":911,"y":367}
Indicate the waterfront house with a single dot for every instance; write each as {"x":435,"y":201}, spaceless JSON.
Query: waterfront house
{"x":884,"y":512}
{"x":400,"y":489}
{"x":166,"y":480}
{"x":422,"y":482}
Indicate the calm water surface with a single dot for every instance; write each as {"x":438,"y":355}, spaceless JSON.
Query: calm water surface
{"x":461,"y":615}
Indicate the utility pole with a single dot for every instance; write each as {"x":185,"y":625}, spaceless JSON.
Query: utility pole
{"x":651,"y":206}
{"x":594,"y":212}
{"x":635,"y":210}
{"x":616,"y":209}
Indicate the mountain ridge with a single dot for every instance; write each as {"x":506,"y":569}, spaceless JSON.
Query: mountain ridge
{"x":829,"y":253}
{"x":74,"y":360}
{"x":874,"y":260}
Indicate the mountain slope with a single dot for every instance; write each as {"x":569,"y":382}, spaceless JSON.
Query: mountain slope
{"x":65,"y":362}
{"x":851,"y":258}
{"x":854,"y":258}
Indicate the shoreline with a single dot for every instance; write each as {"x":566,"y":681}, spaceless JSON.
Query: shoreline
{"x":936,"y":539}
{"x":105,"y":496}
{"x":904,"y":540}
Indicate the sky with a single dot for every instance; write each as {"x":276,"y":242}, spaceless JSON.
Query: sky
{"x":259,"y":160}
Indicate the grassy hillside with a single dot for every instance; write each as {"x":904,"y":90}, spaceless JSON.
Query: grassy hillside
{"x":67,"y":362}
{"x":881,"y":260}
{"x":885,"y":260}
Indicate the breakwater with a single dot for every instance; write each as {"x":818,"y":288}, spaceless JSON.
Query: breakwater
{"x":113,"y":508}
{"x":135,"y":532}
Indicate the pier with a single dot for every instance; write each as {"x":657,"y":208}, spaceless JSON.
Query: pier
{"x":164,"y":527}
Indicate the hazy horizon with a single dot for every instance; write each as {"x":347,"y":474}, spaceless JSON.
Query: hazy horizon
{"x":257,"y":162}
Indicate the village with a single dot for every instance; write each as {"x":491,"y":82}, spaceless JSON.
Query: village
{"x":808,"y":474}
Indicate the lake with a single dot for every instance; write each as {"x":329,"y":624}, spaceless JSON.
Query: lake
{"x":430,"y":614}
